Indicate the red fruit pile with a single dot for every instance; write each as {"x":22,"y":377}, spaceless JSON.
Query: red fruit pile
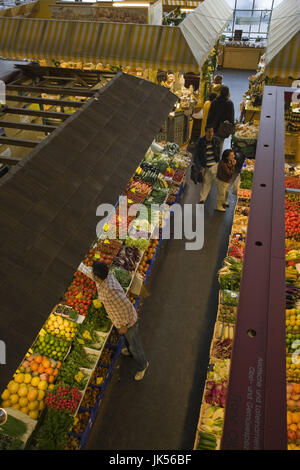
{"x":80,"y":294}
{"x":292,"y":220}
{"x":292,"y":182}
{"x":63,"y":398}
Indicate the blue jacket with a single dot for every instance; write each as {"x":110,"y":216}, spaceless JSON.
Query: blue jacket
{"x":199,"y":154}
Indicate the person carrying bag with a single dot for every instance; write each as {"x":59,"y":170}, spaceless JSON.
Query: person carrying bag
{"x":221,"y":116}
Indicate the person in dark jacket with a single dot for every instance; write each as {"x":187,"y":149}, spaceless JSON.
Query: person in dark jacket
{"x":221,"y":110}
{"x":236,"y":180}
{"x":224,"y":176}
{"x":206,"y":157}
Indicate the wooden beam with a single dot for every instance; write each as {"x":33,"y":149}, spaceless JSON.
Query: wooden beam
{"x":27,"y":127}
{"x":50,"y":101}
{"x":10,"y":160}
{"x":55,"y":90}
{"x":33,"y":112}
{"x":18,"y":142}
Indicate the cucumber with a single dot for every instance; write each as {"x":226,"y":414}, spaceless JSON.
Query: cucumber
{"x":205,"y":446}
{"x":208,"y":443}
{"x":207,"y":436}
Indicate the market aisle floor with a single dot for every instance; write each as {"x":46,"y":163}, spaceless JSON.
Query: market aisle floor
{"x":161,"y":412}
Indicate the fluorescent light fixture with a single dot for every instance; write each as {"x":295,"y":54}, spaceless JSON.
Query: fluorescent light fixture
{"x":125,"y":4}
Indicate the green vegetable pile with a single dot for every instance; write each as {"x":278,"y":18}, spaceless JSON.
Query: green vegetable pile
{"x":97,"y":318}
{"x":53,"y":433}
{"x":124,"y":277}
{"x":51,"y":346}
{"x":140,"y":243}
{"x":230,"y":275}
{"x":246,"y":179}
{"x":229,"y":298}
{"x":206,"y":441}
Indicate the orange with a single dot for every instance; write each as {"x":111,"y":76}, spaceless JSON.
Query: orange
{"x":46,"y":363}
{"x":41,"y":370}
{"x":55,"y":372}
{"x":51,"y":379}
{"x":295,"y":418}
{"x":293,"y":427}
{"x":58,"y":365}
{"x":38,"y":359}
{"x":34,"y":365}
{"x":49,"y":371}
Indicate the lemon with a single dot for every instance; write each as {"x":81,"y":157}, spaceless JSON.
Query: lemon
{"x":5,"y":395}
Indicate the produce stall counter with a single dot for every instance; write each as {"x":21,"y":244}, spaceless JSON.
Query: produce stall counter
{"x":235,"y":57}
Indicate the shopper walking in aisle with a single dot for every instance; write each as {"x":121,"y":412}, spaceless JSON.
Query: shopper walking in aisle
{"x":206,"y":157}
{"x":206,"y":107}
{"x":236,"y":179}
{"x":120,"y":311}
{"x":221,"y":116}
{"x":224,"y":175}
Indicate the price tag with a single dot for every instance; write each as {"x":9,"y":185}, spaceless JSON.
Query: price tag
{"x":78,"y":296}
{"x":130,"y":201}
{"x":176,"y":165}
{"x":168,"y":169}
{"x":133,"y":190}
{"x":97,"y":256}
{"x":106,"y":241}
{"x":234,"y":295}
{"x":105,"y":228}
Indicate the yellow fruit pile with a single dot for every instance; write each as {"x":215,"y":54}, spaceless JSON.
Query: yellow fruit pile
{"x":292,"y":369}
{"x":293,"y":318}
{"x":60,"y":327}
{"x":25,"y":393}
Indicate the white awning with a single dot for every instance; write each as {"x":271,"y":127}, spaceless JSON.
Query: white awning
{"x":282,"y":55}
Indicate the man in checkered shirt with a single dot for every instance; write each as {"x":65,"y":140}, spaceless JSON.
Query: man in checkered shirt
{"x":120,"y":311}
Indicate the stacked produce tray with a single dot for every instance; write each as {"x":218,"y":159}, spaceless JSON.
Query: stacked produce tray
{"x":292,"y":243}
{"x":211,"y":419}
{"x":78,"y":327}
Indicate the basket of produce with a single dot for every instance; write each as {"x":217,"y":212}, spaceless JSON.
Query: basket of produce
{"x":99,"y":376}
{"x":127,"y":258}
{"x":293,"y":367}
{"x":211,"y":420}
{"x":228,"y":297}
{"x":206,"y":441}
{"x":227,"y":314}
{"x":223,"y":331}
{"x":141,"y":188}
{"x":51,"y":346}
{"x":246,"y":179}
{"x":90,"y":398}
{"x":221,"y":348}
{"x":63,"y":397}
{"x":293,"y":396}
{"x":80,"y":294}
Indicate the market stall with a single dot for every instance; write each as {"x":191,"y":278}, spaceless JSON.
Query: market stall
{"x":246,"y":402}
{"x":282,"y":58}
{"x":142,"y":50}
{"x":62,"y":378}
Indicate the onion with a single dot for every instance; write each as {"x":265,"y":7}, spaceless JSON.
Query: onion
{"x":291,"y":403}
{"x":289,"y":387}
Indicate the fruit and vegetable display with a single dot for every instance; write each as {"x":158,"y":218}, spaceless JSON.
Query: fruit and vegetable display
{"x":246,"y":131}
{"x":213,"y":406}
{"x":71,"y":360}
{"x":292,"y":257}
